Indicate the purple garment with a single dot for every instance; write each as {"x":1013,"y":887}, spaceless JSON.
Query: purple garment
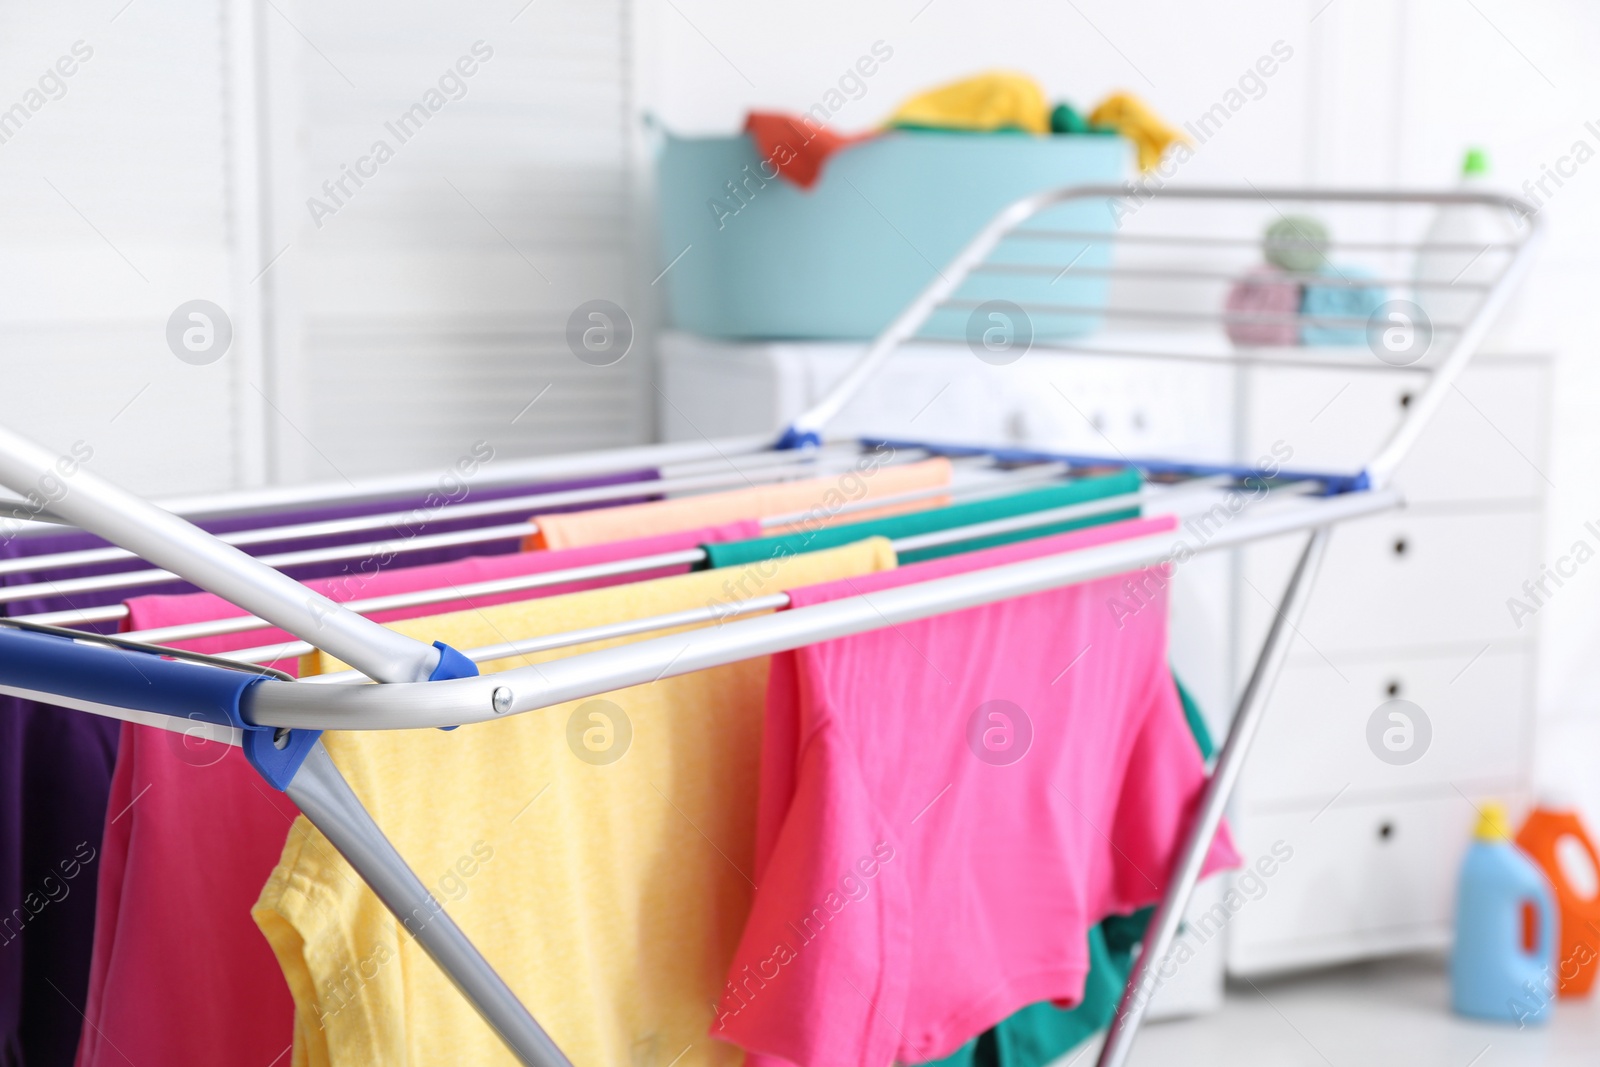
{"x":418,"y":508}
{"x":57,"y":773}
{"x":56,"y":764}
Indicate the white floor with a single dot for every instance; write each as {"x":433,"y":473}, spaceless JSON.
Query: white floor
{"x":1394,"y":1012}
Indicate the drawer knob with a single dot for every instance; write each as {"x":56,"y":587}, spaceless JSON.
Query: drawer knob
{"x":1385,"y":830}
{"x":1400,"y":546}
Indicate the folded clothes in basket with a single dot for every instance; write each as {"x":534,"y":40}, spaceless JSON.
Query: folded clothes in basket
{"x":986,"y":103}
{"x":1344,"y":300}
{"x":1261,"y":309}
{"x":796,"y":147}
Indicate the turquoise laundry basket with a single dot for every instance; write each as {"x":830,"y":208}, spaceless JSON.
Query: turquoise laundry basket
{"x":839,"y":260}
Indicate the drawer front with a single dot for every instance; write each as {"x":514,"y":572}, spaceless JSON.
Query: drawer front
{"x":1364,"y":880}
{"x":1329,"y":727}
{"x":1400,"y":580}
{"x":941,"y":395}
{"x":1486,"y":441}
{"x":1089,"y":405}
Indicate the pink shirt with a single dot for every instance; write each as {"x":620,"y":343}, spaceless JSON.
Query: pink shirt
{"x":148,"y":612}
{"x":180,"y":974}
{"x":948,"y":805}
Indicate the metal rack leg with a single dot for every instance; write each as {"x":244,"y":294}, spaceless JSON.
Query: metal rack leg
{"x":1252,"y":704}
{"x":327,"y":800}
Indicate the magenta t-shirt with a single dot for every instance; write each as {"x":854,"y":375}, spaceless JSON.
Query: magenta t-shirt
{"x":948,"y":805}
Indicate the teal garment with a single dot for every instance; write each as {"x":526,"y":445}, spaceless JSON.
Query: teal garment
{"x":1077,"y":491}
{"x":1196,"y":721}
{"x":1042,"y":1033}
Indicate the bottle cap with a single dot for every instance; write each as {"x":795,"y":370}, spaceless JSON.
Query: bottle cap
{"x":1493,"y":823}
{"x":1476,"y":163}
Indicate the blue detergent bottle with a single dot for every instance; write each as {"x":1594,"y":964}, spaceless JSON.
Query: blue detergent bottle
{"x":1503,"y":964}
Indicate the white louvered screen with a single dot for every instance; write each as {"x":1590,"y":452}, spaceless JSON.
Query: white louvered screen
{"x":431,"y":305}
{"x":120,"y":199}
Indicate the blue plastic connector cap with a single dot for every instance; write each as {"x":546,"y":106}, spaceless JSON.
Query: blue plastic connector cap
{"x":452,"y":664}
{"x":794,"y":437}
{"x":277,"y":754}
{"x":145,"y":681}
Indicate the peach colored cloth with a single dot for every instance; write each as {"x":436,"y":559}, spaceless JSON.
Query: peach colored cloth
{"x":820,"y":498}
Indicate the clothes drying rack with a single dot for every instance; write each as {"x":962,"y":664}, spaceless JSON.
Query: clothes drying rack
{"x":277,"y":720}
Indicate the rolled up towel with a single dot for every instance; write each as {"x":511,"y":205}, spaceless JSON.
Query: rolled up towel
{"x":1298,"y":243}
{"x":1339,"y":294}
{"x":1261,"y":308}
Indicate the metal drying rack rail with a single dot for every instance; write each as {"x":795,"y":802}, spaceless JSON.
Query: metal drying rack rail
{"x":277,"y":722}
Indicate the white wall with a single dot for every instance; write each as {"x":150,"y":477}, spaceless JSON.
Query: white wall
{"x":1377,"y":93}
{"x":176,"y":162}
{"x":118,"y":203}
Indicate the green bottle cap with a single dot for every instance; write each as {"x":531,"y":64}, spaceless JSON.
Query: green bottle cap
{"x":1477,"y":162}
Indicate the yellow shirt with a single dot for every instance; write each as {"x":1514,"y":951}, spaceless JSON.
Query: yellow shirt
{"x":822,"y":498}
{"x":598,"y":853}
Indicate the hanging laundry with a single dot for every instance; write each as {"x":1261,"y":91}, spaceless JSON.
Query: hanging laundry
{"x":1042,"y":1033}
{"x":1078,"y":491}
{"x":151,"y":612}
{"x":820,"y":497}
{"x":418,"y":507}
{"x":186,"y":816}
{"x":1132,"y":118}
{"x":53,"y":787}
{"x":983,"y":103}
{"x":196,"y":833}
{"x":599,"y":851}
{"x":794,"y":147}
{"x":56,"y":779}
{"x":1066,"y":764}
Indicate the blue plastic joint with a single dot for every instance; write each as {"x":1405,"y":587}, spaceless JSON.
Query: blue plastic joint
{"x":277,"y":754}
{"x":794,"y":437}
{"x":149,"y":681}
{"x":452,"y":664}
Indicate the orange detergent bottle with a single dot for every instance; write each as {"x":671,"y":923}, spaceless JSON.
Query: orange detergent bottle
{"x":1554,"y":837}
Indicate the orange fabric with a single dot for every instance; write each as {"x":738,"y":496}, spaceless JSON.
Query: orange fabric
{"x":793,"y":147}
{"x":821,"y":497}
